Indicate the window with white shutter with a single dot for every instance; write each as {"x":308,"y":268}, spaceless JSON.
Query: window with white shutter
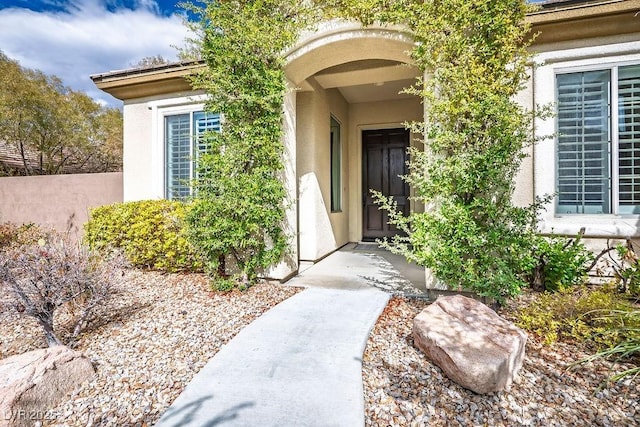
{"x":178,"y":136}
{"x":597,"y":156}
{"x":629,"y":139}
{"x":184,"y":141}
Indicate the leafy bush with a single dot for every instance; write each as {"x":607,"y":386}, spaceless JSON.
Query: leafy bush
{"x":52,"y":274}
{"x":238,"y":215}
{"x":466,"y":254}
{"x":561,"y":263}
{"x":150,"y":233}
{"x":578,"y":314}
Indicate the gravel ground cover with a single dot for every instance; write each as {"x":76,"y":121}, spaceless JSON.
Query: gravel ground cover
{"x":161,"y":329}
{"x":155,"y":335}
{"x":402,"y":388}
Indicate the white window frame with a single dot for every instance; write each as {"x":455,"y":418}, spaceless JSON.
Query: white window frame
{"x":548,"y":65}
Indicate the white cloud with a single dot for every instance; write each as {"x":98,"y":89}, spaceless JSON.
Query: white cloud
{"x":88,"y":39}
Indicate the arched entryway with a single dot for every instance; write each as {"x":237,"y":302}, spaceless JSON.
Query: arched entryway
{"x":346,"y":83}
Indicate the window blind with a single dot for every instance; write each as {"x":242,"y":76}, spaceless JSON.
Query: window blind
{"x":583,"y":158}
{"x":629,"y":139}
{"x":203,"y":122}
{"x":178,"y":155}
{"x":185,"y":140}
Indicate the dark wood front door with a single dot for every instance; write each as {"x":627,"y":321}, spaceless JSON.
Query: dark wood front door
{"x":384,"y":160}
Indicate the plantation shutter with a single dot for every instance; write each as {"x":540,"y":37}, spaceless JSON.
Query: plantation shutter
{"x":583,"y":158}
{"x":629,"y":139}
{"x":185,"y":140}
{"x":178,"y":155}
{"x":203,"y":122}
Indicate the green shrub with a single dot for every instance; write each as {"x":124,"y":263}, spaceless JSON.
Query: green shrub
{"x":562,"y":263}
{"x":491,"y":261}
{"x":238,"y":215}
{"x":627,"y":270}
{"x":151,"y":234}
{"x":472,"y":236}
{"x":578,"y":314}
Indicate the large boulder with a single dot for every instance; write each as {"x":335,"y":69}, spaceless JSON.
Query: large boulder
{"x":33,"y":383}
{"x":474,"y":346}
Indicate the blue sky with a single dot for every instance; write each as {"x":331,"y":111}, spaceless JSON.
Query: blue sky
{"x":76,"y":38}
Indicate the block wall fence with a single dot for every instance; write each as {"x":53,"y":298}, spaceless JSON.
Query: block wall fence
{"x":61,"y":202}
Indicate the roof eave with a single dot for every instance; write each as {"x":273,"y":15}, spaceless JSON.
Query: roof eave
{"x":142,"y":82}
{"x":587,"y":20}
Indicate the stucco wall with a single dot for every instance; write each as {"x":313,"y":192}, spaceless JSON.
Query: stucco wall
{"x":136,"y":160}
{"x":61,"y":202}
{"x":320,"y":230}
{"x":523,"y":194}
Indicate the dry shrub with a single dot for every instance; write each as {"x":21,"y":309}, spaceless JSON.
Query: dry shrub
{"x":54,"y":275}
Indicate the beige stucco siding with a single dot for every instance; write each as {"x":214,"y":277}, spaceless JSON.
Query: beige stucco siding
{"x":136,"y":158}
{"x":320,"y":230}
{"x":523,"y":194}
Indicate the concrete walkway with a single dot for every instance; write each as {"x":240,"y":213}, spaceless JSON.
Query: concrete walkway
{"x":363,"y":265}
{"x":299,"y":364}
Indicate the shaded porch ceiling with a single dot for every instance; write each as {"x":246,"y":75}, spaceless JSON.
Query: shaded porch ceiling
{"x":369,"y":80}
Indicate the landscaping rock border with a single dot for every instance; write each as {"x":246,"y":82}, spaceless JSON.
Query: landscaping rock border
{"x":162,"y":329}
{"x":154,"y":337}
{"x":402,"y":388}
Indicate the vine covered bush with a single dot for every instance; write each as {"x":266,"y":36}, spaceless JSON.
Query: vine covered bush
{"x":150,"y":233}
{"x":238,"y":214}
{"x":471,"y":236}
